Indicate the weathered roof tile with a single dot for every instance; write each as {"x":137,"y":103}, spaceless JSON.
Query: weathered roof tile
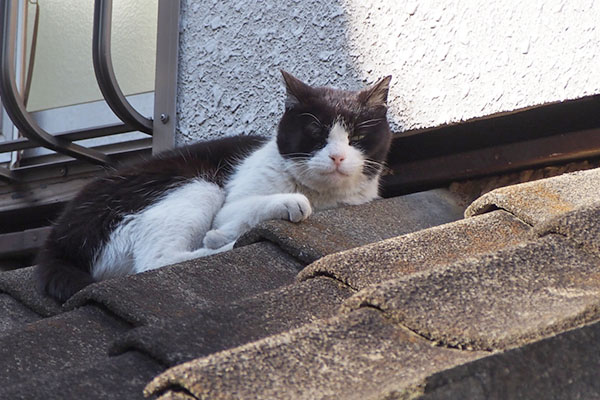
{"x":537,"y":201}
{"x":403,"y":255}
{"x":20,"y":284}
{"x":354,"y":356}
{"x":340,"y":229}
{"x":175,"y":291}
{"x":13,"y":314}
{"x":171,"y":395}
{"x":564,"y":366}
{"x":581,"y":225}
{"x":495,"y":301}
{"x":212,"y":329}
{"x":116,"y":378}
{"x":48,"y":347}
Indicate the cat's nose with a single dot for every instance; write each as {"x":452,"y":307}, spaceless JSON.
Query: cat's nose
{"x":337,"y":159}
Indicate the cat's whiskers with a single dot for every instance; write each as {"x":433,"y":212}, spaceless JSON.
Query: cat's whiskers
{"x":314,"y":117}
{"x":373,"y":162}
{"x":375,"y":165}
{"x":369,"y":123}
{"x":298,"y":156}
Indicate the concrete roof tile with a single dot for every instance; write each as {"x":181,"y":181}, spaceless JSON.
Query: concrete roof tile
{"x":354,"y":356}
{"x":404,"y":255}
{"x":175,"y":291}
{"x":212,"y":329}
{"x":497,"y":300}
{"x":581,"y":225}
{"x":13,"y":314}
{"x":171,"y":395}
{"x":537,"y":201}
{"x":343,"y":228}
{"x":564,"y":366}
{"x":20,"y":284}
{"x":122,"y":377}
{"x":48,"y":347}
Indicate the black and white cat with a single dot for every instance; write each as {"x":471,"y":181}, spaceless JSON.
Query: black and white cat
{"x":197,"y":200}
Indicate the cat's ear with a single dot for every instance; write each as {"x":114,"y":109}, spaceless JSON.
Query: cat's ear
{"x":377,"y":94}
{"x":296,"y":90}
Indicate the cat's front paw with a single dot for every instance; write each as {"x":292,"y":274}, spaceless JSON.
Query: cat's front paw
{"x":296,"y":207}
{"x":216,"y":238}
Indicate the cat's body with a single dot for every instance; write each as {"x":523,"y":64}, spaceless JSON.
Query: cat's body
{"x":198,"y":200}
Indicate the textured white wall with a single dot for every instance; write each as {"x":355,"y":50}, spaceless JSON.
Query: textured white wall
{"x":451,"y":60}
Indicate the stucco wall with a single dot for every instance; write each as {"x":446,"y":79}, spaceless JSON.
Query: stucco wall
{"x":451,"y":60}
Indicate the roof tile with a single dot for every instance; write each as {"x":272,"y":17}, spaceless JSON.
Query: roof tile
{"x":343,"y":228}
{"x":20,"y":284}
{"x":497,"y":300}
{"x":538,"y":201}
{"x":212,"y":329}
{"x":354,"y":356}
{"x":403,"y":255}
{"x":49,"y":347}
{"x":564,"y":366}
{"x":13,"y":314}
{"x":175,"y":291}
{"x":581,"y":225}
{"x":122,"y":377}
{"x":171,"y":395}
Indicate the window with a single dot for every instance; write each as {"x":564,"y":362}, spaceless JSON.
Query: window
{"x":65,"y":115}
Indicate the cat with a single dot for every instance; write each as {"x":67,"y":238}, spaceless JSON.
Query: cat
{"x":195,"y":201}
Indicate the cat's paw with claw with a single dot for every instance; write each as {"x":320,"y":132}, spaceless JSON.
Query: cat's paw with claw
{"x":216,"y":238}
{"x":294,"y":207}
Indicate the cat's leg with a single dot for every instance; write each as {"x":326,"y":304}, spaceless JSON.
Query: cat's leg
{"x":171,"y":231}
{"x":237,"y":217}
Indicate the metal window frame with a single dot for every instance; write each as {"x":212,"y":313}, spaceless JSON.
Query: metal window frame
{"x":13,"y":102}
{"x":37,"y":189}
{"x":162,"y":128}
{"x":165,"y":84}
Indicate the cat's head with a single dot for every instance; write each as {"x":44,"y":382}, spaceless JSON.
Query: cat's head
{"x":334,"y":138}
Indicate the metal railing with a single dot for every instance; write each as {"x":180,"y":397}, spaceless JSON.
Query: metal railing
{"x":131,"y":119}
{"x":105,"y":74}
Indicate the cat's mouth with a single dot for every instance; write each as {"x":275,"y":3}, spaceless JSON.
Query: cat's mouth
{"x":336,"y":172}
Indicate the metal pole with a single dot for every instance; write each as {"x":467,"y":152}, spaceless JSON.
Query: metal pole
{"x":165,"y":86}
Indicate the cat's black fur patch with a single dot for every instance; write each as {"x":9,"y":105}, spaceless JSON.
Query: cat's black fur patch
{"x":64,"y":262}
{"x":311,"y":112}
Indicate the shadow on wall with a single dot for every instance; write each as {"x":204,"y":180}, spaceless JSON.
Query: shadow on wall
{"x":451,"y":60}
{"x":231,"y":53}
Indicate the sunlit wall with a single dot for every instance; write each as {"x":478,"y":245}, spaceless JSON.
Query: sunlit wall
{"x":451,"y":60}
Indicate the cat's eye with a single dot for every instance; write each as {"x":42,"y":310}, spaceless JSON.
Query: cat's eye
{"x":314,"y":129}
{"x":357,"y":137}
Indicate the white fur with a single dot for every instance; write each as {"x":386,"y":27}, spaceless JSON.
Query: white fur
{"x":264,"y":186}
{"x":168,"y":232}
